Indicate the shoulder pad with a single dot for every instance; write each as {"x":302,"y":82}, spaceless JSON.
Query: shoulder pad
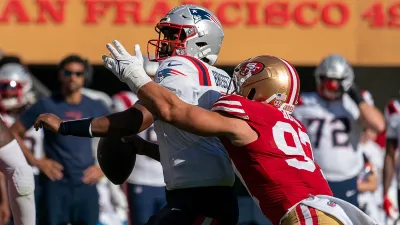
{"x":186,"y":65}
{"x":392,"y":108}
{"x":232,"y":105}
{"x":367,"y":97}
{"x":308,"y":98}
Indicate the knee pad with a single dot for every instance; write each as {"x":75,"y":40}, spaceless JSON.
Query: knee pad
{"x":23,"y":180}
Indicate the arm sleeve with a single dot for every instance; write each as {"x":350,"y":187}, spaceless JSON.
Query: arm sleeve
{"x":28,"y":117}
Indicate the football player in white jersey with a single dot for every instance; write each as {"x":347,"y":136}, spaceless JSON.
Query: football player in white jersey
{"x":334,"y":117}
{"x":371,"y":189}
{"x":197,"y":170}
{"x":146,"y":187}
{"x":391,"y":167}
{"x":16,"y":94}
{"x":113,"y":203}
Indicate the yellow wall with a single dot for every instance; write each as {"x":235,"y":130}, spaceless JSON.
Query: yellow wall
{"x":78,"y":27}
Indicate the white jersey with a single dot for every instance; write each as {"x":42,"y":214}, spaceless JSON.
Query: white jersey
{"x":33,"y":140}
{"x":375,"y":155}
{"x":371,"y":201}
{"x":189,"y":160}
{"x":147,"y":171}
{"x":392,"y":116}
{"x":113,"y":203}
{"x":335,"y":132}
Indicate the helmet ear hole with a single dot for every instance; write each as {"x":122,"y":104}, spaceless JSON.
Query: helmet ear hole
{"x":201,"y":44}
{"x":251,"y":94}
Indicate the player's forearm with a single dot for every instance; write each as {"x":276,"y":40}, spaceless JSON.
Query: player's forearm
{"x":128,"y":122}
{"x":169,"y":108}
{"x":143,"y":147}
{"x":158,"y":100}
{"x":388,"y":172}
{"x":372,"y":117}
{"x":371,"y":184}
{"x":151,"y":150}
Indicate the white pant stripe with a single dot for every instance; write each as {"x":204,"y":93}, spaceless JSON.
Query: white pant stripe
{"x":306,"y":214}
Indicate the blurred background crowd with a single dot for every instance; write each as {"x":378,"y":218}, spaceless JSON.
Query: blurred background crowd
{"x":54,"y":46}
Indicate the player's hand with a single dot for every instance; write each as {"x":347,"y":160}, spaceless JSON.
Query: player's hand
{"x":388,"y":206}
{"x":4,"y":213}
{"x":51,"y":168}
{"x":49,"y":121}
{"x":128,"y":68}
{"x":92,"y":175}
{"x":355,"y":93}
{"x":136,"y":142}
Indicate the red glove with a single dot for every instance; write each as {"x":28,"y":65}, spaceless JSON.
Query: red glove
{"x":388,"y":206}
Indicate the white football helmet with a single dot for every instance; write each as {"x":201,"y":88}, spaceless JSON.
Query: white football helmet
{"x":188,"y":30}
{"x":15,"y":86}
{"x":333,"y":76}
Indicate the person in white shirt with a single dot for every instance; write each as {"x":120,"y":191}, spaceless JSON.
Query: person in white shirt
{"x":391,"y":165}
{"x":146,"y":187}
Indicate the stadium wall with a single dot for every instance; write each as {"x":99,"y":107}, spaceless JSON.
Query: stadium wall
{"x":382,"y":82}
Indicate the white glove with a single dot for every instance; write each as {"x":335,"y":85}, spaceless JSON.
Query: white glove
{"x":128,"y":68}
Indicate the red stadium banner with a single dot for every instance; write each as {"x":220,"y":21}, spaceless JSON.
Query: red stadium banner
{"x":302,"y":31}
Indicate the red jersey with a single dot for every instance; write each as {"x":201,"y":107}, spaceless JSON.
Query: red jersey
{"x":278,"y":168}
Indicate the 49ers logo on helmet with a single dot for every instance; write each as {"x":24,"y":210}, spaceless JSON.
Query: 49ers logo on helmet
{"x":251,"y":68}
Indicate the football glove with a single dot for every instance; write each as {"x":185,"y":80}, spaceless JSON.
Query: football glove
{"x":388,"y":206}
{"x":355,"y":93}
{"x":128,"y":68}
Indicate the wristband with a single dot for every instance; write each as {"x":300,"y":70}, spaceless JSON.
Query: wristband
{"x":355,"y":93}
{"x":79,"y":128}
{"x":136,"y":83}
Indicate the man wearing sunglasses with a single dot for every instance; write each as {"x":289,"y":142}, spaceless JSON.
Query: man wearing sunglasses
{"x":68,"y":172}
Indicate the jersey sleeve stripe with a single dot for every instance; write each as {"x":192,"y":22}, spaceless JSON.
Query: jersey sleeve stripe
{"x":125,"y":99}
{"x":240,"y":113}
{"x":393,"y":107}
{"x":367,"y":97}
{"x":294,"y":78}
{"x":227,"y":109}
{"x":204,"y":76}
{"x":228,"y":102}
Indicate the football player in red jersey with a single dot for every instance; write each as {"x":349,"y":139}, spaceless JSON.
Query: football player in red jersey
{"x":270,"y":150}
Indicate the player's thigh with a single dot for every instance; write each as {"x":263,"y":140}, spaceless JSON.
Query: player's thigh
{"x":303,"y":214}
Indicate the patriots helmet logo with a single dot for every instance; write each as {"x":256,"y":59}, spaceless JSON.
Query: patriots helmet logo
{"x":200,"y":14}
